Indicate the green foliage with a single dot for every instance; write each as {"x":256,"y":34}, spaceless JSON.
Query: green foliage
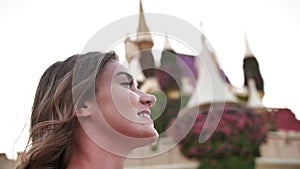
{"x":166,"y":109}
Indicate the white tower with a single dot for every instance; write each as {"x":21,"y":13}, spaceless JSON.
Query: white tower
{"x":254,"y":97}
{"x":211,"y":87}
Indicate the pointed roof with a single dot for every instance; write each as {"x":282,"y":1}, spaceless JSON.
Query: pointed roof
{"x":167,"y":45}
{"x":211,"y":87}
{"x":142,"y":22}
{"x":248,"y":52}
{"x":143,"y":33}
{"x":211,"y":51}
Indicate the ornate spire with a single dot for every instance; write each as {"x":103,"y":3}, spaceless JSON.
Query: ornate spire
{"x":130,"y":49}
{"x":167,"y":45}
{"x":251,"y":70}
{"x":248,"y":52}
{"x":209,"y":48}
{"x":211,"y":87}
{"x":143,"y":39}
{"x":142,"y":22}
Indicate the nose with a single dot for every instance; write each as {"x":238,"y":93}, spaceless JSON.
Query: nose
{"x":147,"y":99}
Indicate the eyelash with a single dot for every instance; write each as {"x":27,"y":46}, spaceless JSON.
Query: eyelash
{"x":129,"y":84}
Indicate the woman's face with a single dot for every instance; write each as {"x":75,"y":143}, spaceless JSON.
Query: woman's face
{"x":125,"y":108}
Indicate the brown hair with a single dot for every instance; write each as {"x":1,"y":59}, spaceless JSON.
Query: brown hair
{"x":62,"y":87}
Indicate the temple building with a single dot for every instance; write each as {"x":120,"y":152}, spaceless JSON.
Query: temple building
{"x":191,"y":81}
{"x":188,"y":81}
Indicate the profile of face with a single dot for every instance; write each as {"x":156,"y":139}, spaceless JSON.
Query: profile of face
{"x":120,"y":110}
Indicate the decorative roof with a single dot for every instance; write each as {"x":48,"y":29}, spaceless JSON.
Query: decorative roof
{"x":167,"y":45}
{"x":142,"y":22}
{"x":248,"y":52}
{"x":285,"y":119}
{"x":252,"y":71}
{"x":211,"y":86}
{"x":143,"y":33}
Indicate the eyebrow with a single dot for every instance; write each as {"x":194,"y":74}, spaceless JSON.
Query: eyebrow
{"x":129,"y":76}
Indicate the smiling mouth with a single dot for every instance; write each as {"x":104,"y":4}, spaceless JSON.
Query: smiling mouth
{"x":145,"y":114}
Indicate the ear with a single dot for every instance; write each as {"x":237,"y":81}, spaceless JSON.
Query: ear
{"x":87,"y":108}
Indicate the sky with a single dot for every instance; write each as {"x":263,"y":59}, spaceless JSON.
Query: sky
{"x":34,"y":34}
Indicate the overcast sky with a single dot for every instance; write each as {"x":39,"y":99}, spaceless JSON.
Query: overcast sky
{"x":34,"y":34}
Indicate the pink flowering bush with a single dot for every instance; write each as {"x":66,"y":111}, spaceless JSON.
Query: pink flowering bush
{"x":233,"y":144}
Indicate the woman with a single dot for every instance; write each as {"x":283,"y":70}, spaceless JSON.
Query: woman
{"x":87,"y":114}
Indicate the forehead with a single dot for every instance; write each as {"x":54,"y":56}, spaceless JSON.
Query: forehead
{"x":111,"y":69}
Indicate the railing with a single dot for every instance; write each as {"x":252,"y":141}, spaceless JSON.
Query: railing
{"x":281,"y":151}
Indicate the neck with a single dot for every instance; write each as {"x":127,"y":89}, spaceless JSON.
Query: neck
{"x":87,"y":154}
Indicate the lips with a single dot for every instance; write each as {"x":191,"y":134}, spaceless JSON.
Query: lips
{"x":145,"y":113}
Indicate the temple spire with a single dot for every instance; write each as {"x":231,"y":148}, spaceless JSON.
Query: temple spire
{"x":142,"y":22}
{"x":167,"y":46}
{"x":143,"y":38}
{"x":248,"y":52}
{"x":211,"y":87}
{"x":252,"y":71}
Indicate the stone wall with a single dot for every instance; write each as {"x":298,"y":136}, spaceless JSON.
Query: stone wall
{"x":6,"y":163}
{"x":281,"y":151}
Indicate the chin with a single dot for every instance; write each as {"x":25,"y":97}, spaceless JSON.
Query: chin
{"x":146,"y":138}
{"x":141,"y":142}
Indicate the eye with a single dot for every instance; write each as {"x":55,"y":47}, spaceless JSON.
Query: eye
{"x":127,"y":84}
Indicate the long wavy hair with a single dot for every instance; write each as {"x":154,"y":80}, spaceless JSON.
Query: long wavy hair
{"x":62,"y":87}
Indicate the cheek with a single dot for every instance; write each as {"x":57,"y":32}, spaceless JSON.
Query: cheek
{"x":125,"y":102}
